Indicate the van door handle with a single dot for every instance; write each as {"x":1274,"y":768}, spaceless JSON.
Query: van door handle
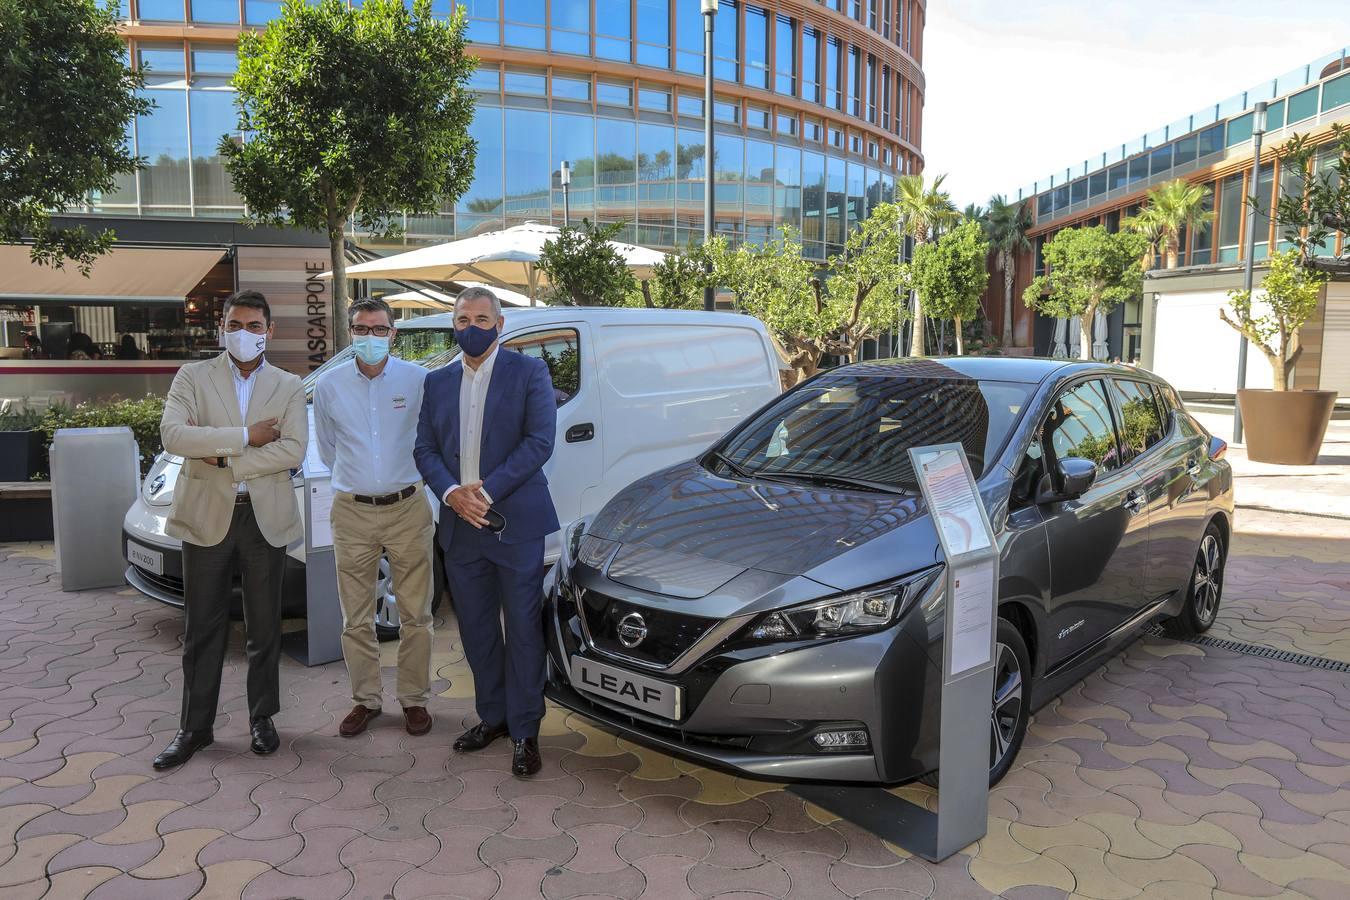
{"x":577,"y":433}
{"x":1134,"y":502}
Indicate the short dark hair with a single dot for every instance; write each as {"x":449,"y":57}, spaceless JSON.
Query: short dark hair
{"x":369,"y":304}
{"x":249,"y":300}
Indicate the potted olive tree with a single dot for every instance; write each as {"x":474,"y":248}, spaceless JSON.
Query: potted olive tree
{"x":1282,"y":425}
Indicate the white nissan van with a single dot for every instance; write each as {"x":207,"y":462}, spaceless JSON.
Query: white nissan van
{"x":637,"y":390}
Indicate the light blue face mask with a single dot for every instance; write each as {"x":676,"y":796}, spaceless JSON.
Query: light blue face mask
{"x":370,"y":349}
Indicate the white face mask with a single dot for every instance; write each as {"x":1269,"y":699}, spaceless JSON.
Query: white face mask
{"x":244,"y":346}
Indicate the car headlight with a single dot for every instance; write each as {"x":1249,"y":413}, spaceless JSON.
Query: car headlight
{"x":854,"y":613}
{"x":571,"y":544}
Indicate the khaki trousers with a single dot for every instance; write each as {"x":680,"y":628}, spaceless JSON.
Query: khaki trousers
{"x":404,"y":532}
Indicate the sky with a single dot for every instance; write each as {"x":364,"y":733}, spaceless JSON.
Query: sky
{"x":1018,"y":89}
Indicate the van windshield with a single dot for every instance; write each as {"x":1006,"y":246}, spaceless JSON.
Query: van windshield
{"x":430,"y":348}
{"x":859,"y":429}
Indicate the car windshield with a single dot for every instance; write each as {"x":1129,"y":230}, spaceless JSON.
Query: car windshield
{"x":428,"y":347}
{"x":858,"y":430}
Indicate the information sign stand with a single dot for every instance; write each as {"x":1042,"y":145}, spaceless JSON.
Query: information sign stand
{"x":969,"y":630}
{"x":321,"y":640}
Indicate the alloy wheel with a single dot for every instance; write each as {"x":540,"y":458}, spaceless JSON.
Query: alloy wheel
{"x":1207,"y":581}
{"x":1006,"y":710}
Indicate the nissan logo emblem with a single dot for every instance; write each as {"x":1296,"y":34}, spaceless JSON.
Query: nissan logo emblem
{"x":632,"y":630}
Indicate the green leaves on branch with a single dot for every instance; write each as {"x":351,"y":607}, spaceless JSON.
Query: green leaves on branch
{"x":1318,"y":202}
{"x":1291,"y":292}
{"x":585,"y":269}
{"x":677,"y":282}
{"x":67,"y":100}
{"x":1175,"y":205}
{"x":951,"y":275}
{"x":1088,"y":270}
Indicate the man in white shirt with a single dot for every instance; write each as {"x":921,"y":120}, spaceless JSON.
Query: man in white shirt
{"x":365,"y":419}
{"x":485,"y":431}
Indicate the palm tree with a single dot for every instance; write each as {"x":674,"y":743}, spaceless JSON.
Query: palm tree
{"x":1172,"y":206}
{"x":923,"y":209}
{"x":1148,"y":223}
{"x":1006,"y":228}
{"x":974,"y":212}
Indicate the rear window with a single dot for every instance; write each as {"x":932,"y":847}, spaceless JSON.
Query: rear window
{"x":862,"y":428}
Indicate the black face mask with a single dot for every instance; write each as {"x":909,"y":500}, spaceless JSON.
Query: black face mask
{"x":475,"y":341}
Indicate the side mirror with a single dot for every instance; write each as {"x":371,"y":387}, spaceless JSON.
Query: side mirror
{"x":1074,"y":477}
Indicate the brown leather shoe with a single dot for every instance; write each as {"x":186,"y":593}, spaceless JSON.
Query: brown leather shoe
{"x":416,"y":719}
{"x":357,"y":720}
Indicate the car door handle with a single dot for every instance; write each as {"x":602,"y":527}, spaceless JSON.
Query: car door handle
{"x":1194,"y":468}
{"x":577,"y":433}
{"x":1134,"y":502}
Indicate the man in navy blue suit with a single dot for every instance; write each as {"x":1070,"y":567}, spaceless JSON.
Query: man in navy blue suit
{"x":485,"y":431}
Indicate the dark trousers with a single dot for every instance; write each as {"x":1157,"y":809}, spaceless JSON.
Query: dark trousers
{"x":208,"y":577}
{"x":491,"y":582}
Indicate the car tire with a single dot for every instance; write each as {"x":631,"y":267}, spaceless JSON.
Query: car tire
{"x":386,"y":612}
{"x":1010,"y":709}
{"x":1204,"y":591}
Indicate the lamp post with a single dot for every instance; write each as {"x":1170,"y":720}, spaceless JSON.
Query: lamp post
{"x":565,"y":178}
{"x":1258,"y":129}
{"x":709,"y":21}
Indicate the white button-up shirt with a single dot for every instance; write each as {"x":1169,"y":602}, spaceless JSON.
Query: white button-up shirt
{"x":473,"y":390}
{"x":243,"y":392}
{"x":366,"y":427}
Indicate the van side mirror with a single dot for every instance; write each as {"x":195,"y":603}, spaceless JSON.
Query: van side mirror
{"x":1074,"y":477}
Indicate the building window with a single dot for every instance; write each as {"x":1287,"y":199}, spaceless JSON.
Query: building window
{"x":616,"y":172}
{"x":725,"y":43}
{"x":756,"y":47}
{"x":218,"y":12}
{"x":886,"y":18}
{"x":810,"y":65}
{"x":785,"y":56}
{"x":1097,"y":184}
{"x":1160,"y":160}
{"x":869,"y":88}
{"x":787,"y":124}
{"x":613,"y":94}
{"x":480,"y":208}
{"x":854,"y":82}
{"x":1336,"y":93}
{"x":689,"y":38}
{"x":727,"y":111}
{"x":1078,"y":191}
{"x":1210,"y":140}
{"x":1303,"y":105}
{"x":524,"y":23}
{"x":1202,"y":241}
{"x":885,"y":87}
{"x":656,"y":184}
{"x":571,"y":28}
{"x":1183,"y":151}
{"x":653,"y":98}
{"x":571,"y":88}
{"x":757,"y":117}
{"x":613,"y":30}
{"x":1265,"y":185}
{"x":1230,"y":217}
{"x":653,"y":33}
{"x":834,"y":96}
{"x":528,"y":83}
{"x":483,"y":25}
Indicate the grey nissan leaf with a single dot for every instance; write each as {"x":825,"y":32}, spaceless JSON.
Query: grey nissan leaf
{"x":775,"y":606}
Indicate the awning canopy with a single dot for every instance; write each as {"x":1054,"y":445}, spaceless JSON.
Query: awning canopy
{"x":148,"y":275}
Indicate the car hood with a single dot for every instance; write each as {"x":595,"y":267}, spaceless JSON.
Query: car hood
{"x":685,"y":532}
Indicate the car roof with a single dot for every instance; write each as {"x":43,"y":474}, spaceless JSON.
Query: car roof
{"x":1021,"y":369}
{"x":527,"y":316}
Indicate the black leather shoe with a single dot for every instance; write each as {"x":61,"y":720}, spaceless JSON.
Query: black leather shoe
{"x":525,"y":760}
{"x":265,"y":739}
{"x":478,"y":737}
{"x":181,"y":748}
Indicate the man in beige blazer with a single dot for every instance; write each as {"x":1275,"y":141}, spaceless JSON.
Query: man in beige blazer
{"x":241,"y":427}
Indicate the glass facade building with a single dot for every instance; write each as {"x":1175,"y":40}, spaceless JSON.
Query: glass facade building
{"x":817,"y":110}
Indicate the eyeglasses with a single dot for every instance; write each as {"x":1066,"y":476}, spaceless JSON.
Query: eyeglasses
{"x":377,"y":330}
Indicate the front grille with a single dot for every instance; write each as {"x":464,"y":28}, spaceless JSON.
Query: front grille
{"x":669,"y":634}
{"x":166,"y":583}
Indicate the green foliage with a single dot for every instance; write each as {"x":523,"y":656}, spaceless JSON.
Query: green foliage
{"x":564,"y":369}
{"x":1006,"y":227}
{"x":141,"y":416}
{"x":585,"y":269}
{"x":66,"y":101}
{"x":1291,"y":293}
{"x":677,"y":281}
{"x":924,"y":210}
{"x":1170,"y":207}
{"x":1088,"y":270}
{"x":352,"y":113}
{"x":950,"y":273}
{"x":20,"y":420}
{"x":1319,"y":202}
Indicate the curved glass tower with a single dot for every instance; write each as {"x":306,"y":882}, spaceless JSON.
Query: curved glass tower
{"x":817,"y":108}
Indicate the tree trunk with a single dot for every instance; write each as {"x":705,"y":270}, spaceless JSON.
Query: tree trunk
{"x":1085,"y":332}
{"x":917,"y":329}
{"x":338,"y":257}
{"x":960,"y":339}
{"x":1007,"y":300}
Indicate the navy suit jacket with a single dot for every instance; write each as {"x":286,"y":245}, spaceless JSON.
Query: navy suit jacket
{"x":519,"y":423}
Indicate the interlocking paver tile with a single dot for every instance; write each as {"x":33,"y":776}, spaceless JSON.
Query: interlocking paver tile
{"x":420,"y":884}
{"x":567,"y":883}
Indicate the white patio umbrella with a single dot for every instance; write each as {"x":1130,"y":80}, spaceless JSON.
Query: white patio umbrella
{"x":1058,"y":349}
{"x":499,"y":258}
{"x":1100,"y":350}
{"x":443,"y":302}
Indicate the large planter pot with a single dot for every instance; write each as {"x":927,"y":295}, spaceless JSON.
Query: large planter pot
{"x":20,"y":455}
{"x":1285,"y":427}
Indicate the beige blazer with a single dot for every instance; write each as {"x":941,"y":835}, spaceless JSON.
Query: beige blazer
{"x":201,"y":419}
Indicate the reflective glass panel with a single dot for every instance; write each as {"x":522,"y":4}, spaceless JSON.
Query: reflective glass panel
{"x":1080,"y":424}
{"x":527,"y":160}
{"x":1160,"y":160}
{"x":164,"y":10}
{"x":759,"y":191}
{"x":616,"y":170}
{"x":258,"y":12}
{"x":1265,"y":187}
{"x":857,"y":194}
{"x":653,"y":33}
{"x":213,"y":117}
{"x":614,"y":94}
{"x":725,"y":42}
{"x":756,"y":47}
{"x":1183,"y":151}
{"x":656,"y":180}
{"x":731,"y":177}
{"x":1336,"y":93}
{"x":690,"y":172}
{"x":1240,"y":129}
{"x":688,"y":38}
{"x":524,"y":25}
{"x":810,"y":65}
{"x":1210,"y":140}
{"x":835,"y":203}
{"x":785,"y":56}
{"x":220,"y":12}
{"x":1230,"y":211}
{"x":574,"y":141}
{"x":162,"y":137}
{"x":1303,"y":106}
{"x":813,"y":198}
{"x":571,"y":26}
{"x":571,"y":88}
{"x":787,"y":204}
{"x":833,"y":93}
{"x":483,"y":25}
{"x":1203,"y":237}
{"x":480,"y":208}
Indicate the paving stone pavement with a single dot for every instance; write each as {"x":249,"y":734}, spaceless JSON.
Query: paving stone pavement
{"x":1172,"y":771}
